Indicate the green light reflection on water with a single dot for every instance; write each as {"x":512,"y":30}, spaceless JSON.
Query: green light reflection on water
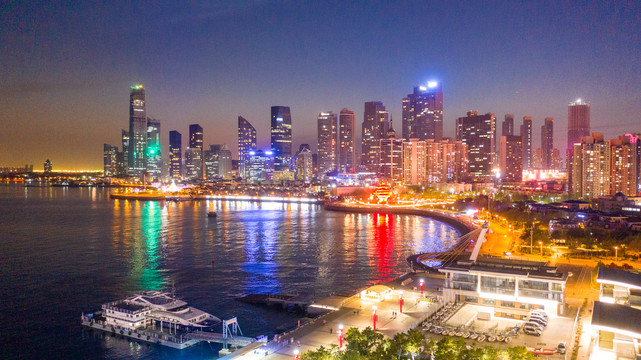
{"x":148,"y":247}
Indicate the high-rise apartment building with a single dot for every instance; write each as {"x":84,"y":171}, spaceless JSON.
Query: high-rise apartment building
{"x":175,"y":155}
{"x":578,"y":127}
{"x":547,"y":142}
{"x":624,"y":165}
{"x":537,"y":158}
{"x":414,"y":162}
{"x":508,"y":125}
{"x":511,"y":158}
{"x":137,"y":131}
{"x":246,"y":142}
{"x":281,"y":137}
{"x":154,"y":153}
{"x":391,"y":160}
{"x":346,"y":141}
{"x":110,"y":157}
{"x":423,"y":113}
{"x":194,"y":164}
{"x":591,"y":167}
{"x":555,"y":159}
{"x":477,"y":132}
{"x":195,"y":136}
{"x":446,"y":161}
{"x":305,"y":165}
{"x":326,"y":144}
{"x":526,"y":135}
{"x":375,"y":126}
{"x":217,"y":162}
{"x":125,"y":152}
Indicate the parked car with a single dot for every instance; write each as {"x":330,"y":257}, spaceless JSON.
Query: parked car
{"x":539,"y":312}
{"x":532,"y":330}
{"x":536,"y":320}
{"x":561,"y":348}
{"x":539,"y":318}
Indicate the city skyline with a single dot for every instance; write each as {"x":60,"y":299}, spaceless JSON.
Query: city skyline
{"x":558,"y":53}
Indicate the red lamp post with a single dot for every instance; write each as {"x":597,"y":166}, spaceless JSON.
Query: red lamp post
{"x":422,"y":283}
{"x":400,"y":301}
{"x":374,"y":316}
{"x":340,"y":336}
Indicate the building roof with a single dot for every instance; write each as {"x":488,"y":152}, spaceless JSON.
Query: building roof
{"x":617,"y":317}
{"x":619,"y":276}
{"x":379,"y":289}
{"x":533,"y":269}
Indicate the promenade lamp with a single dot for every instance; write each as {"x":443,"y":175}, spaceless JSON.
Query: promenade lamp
{"x":400,"y":301}
{"x":340,"y":336}
{"x":374,"y":316}
{"x":541,"y":245}
{"x":422,"y":283}
{"x":616,"y":253}
{"x":296,"y":354}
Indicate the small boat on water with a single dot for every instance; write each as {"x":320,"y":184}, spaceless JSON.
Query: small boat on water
{"x":212,"y":214}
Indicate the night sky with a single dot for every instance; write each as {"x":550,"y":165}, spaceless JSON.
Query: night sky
{"x":65,"y":70}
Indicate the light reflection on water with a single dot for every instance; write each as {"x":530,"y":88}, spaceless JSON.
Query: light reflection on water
{"x":96,"y":250}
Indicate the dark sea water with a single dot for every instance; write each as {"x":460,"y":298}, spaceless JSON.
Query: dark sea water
{"x":64,"y":251}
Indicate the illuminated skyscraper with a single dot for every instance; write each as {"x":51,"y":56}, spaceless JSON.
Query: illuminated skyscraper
{"x":175,"y":155}
{"x":391,"y":160}
{"x":624,"y":165}
{"x":154,"y":158}
{"x":375,"y":123}
{"x":423,"y":113}
{"x":281,"y":137}
{"x":578,"y":127}
{"x":547,"y":143}
{"x":477,"y":132}
{"x":110,"y":157}
{"x":246,"y":142}
{"x":305,"y":165}
{"x":137,"y":131}
{"x":326,"y":144}
{"x":591,"y":167}
{"x":526,"y":135}
{"x":194,"y":164}
{"x":446,"y":161}
{"x":511,"y":158}
{"x":125,"y":153}
{"x":508,"y":125}
{"x":414,"y":162}
{"x":195,"y":136}
{"x":346,"y":140}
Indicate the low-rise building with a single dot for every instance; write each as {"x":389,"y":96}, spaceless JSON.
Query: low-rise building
{"x":512,"y":287}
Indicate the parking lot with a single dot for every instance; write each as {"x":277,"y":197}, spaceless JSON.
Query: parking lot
{"x":466,"y":320}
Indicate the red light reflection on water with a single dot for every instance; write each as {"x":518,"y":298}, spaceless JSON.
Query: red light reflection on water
{"x":381,"y":248}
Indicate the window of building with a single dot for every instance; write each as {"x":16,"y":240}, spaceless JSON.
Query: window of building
{"x":556,"y":287}
{"x":471,"y":299}
{"x":507,"y":303}
{"x":489,"y":302}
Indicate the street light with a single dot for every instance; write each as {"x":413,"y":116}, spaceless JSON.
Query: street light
{"x":616,"y":253}
{"x":541,"y":245}
{"x":374,"y":316}
{"x":400,"y":301}
{"x":340,"y":336}
{"x":422,"y":283}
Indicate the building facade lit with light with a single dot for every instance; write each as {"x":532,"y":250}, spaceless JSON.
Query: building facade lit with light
{"x":591,"y":167}
{"x":478,"y":133}
{"x":154,"y":153}
{"x":512,"y":287}
{"x":217,"y":162}
{"x":547,"y":143}
{"x":414,"y":162}
{"x":423,"y":113}
{"x":246,"y":142}
{"x":508,"y":125}
{"x":136,"y":161}
{"x":327,"y":149}
{"x":375,"y":126}
{"x":175,"y":155}
{"x":110,"y":157}
{"x":578,"y":127}
{"x":193,"y":164}
{"x":526,"y":135}
{"x":346,"y":141}
{"x":511,"y":158}
{"x":624,"y":165}
{"x":260,"y":165}
{"x":124,"y":160}
{"x":446,"y":161}
{"x":281,"y":136}
{"x":391,"y":159}
{"x":305,"y":165}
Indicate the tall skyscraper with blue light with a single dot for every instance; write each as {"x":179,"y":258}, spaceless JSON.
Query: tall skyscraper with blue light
{"x":153,"y":156}
{"x":423,"y":113}
{"x":246,"y":143}
{"x":281,"y":136}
